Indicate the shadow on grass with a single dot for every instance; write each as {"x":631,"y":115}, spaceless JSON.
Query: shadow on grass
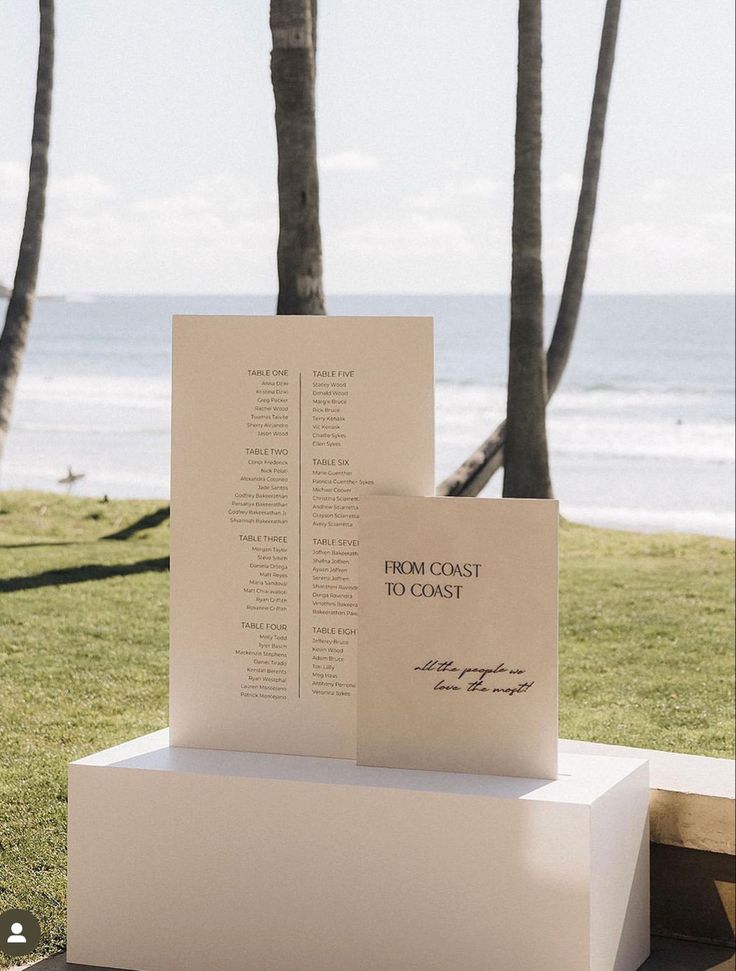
{"x":51,"y":542}
{"x":79,"y":574}
{"x":145,"y":522}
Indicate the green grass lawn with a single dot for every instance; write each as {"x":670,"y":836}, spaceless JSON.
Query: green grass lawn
{"x":646,"y":657}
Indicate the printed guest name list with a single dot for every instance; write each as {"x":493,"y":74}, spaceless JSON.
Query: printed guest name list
{"x":279,"y":425}
{"x":312,"y":409}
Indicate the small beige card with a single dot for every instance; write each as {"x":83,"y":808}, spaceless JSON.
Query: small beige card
{"x":457,"y":657}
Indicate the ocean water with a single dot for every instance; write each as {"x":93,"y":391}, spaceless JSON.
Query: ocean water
{"x":641,"y":430}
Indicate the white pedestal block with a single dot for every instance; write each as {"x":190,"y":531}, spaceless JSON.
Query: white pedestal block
{"x":185,"y":859}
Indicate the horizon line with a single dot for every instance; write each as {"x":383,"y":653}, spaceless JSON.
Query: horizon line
{"x":373,"y":293}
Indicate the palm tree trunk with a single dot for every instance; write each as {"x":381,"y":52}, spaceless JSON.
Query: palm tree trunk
{"x":294,"y":34}
{"x":473,"y":475}
{"x":18,"y":316}
{"x":526,"y":461}
{"x":577,"y":264}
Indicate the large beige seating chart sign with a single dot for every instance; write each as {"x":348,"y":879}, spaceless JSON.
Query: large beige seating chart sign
{"x":278,"y":425}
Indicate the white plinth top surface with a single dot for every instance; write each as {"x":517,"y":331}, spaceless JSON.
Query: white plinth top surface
{"x":582,"y":779}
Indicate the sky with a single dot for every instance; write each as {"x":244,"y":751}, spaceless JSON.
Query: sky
{"x":163,"y":154}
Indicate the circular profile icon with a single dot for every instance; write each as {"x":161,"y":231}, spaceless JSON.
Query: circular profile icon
{"x":20,"y":932}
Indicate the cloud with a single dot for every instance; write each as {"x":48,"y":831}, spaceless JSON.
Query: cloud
{"x":348,"y":162}
{"x":219,"y":233}
{"x":644,"y":237}
{"x":658,"y":190}
{"x":402,"y":237}
{"x":724,"y":217}
{"x":647,"y":254}
{"x":452,"y":193}
{"x":80,"y":191}
{"x":212,"y":234}
{"x":385,"y":242}
{"x":564,"y":184}
{"x":404,"y":251}
{"x":476,"y":187}
{"x":76,"y":191}
{"x":13,"y":182}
